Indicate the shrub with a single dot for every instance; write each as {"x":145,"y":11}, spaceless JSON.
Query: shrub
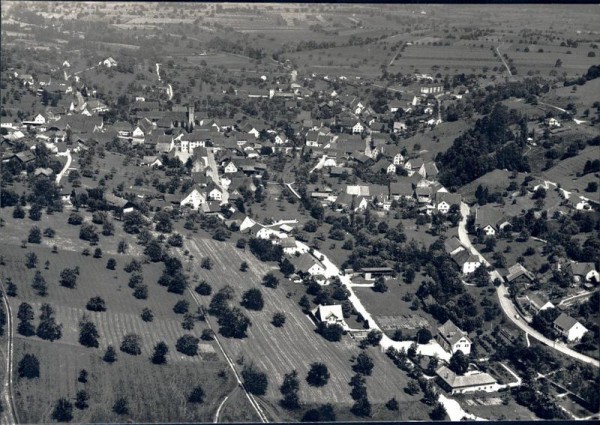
{"x":270,"y":281}
{"x":181,"y":307}
{"x":35,"y":235}
{"x":111,"y":264}
{"x":318,"y":375}
{"x":63,"y":410}
{"x":160,"y":353}
{"x":252,"y":299}
{"x":147,"y":315}
{"x":141,"y":292}
{"x":110,"y":355}
{"x":75,"y":219}
{"x":121,"y":406}
{"x":278,"y":319}
{"x":204,"y":288}
{"x":255,"y":381}
{"x":29,"y":367}
{"x":197,"y":395}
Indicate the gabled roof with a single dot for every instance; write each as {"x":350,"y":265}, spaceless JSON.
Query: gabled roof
{"x":324,"y":312}
{"x":487,"y":215}
{"x":402,"y":187}
{"x":463,"y":257}
{"x":464,"y":381}
{"x":565,"y":322}
{"x":431,"y":169}
{"x":517,"y":270}
{"x":581,"y":269}
{"x":304,"y":262}
{"x":538,"y":300}
{"x":449,"y":198}
{"x":452,"y":244}
{"x":288,"y":243}
{"x":451,"y":333}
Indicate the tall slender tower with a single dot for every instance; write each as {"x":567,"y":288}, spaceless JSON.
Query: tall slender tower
{"x":191,"y":118}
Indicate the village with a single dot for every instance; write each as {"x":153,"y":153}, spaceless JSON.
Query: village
{"x":376,"y":210}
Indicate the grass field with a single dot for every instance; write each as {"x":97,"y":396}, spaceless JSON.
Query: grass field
{"x":279,"y":350}
{"x":565,"y":172}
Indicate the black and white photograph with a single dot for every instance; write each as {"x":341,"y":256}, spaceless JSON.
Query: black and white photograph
{"x":279,"y":212}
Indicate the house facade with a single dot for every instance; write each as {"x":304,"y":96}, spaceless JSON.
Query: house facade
{"x":452,"y":339}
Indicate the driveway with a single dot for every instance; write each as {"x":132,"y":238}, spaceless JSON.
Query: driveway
{"x":214,"y":174}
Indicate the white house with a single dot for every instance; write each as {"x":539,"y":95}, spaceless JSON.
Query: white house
{"x":467,"y":262}
{"x":329,"y":314}
{"x":584,"y":271}
{"x":307,"y":264}
{"x":215,"y":194}
{"x":195,"y":198}
{"x":452,"y":338}
{"x":138,"y":133}
{"x":399,"y":127}
{"x":569,"y":328}
{"x":109,"y":62}
{"x":552,"y":122}
{"x":444,"y":200}
{"x":246,"y":224}
{"x":538,"y":302}
{"x":280,"y":139}
{"x":357,"y":128}
{"x":230,"y":168}
{"x":469,"y":382}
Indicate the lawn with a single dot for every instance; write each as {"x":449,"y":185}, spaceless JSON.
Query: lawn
{"x":279,"y":350}
{"x":565,"y":172}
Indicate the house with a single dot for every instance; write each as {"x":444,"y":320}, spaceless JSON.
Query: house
{"x":553,"y":123}
{"x":123,"y":128}
{"x":357,"y":128}
{"x":518,"y":274}
{"x":469,"y":382}
{"x":280,"y":139}
{"x":413,"y":165}
{"x":43,"y":172}
{"x":260,"y":231}
{"x":452,"y":339}
{"x":151,"y":161}
{"x":329,"y":314}
{"x":289,"y":245}
{"x":584,"y":272}
{"x":96,"y":107}
{"x":25,"y":156}
{"x":444,"y":200}
{"x":399,"y":127}
{"x":453,"y":246}
{"x":371,"y":273}
{"x":39,"y":119}
{"x":538,"y":302}
{"x":119,"y":205}
{"x":402,"y":189}
{"x":348,"y":144}
{"x":194,"y":198}
{"x":312,"y":138}
{"x":307,"y":264}
{"x":109,"y":62}
{"x":230,"y":168}
{"x":569,"y":328}
{"x":467,"y":262}
{"x":394,"y":106}
{"x":489,"y":220}
{"x":428,"y":171}
{"x":579,"y":203}
{"x":383,"y":166}
{"x":214,"y":192}
{"x":432,"y":89}
{"x":423,"y":194}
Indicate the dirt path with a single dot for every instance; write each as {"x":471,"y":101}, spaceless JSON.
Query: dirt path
{"x":9,"y":415}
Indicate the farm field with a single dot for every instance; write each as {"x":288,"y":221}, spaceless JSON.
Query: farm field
{"x":575,"y":63}
{"x":294,"y":346}
{"x":445,"y":133}
{"x":565,"y":172}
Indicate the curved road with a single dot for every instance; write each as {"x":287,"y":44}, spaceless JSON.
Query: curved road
{"x":66,"y":167}
{"x":506,"y":303}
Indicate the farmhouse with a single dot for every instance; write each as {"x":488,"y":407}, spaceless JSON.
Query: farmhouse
{"x":329,"y":314}
{"x":194,"y":198}
{"x":152,"y":161}
{"x":402,"y":189}
{"x":371,"y":273}
{"x":444,"y":200}
{"x":569,"y":328}
{"x":432,"y":89}
{"x":453,"y":245}
{"x":467,"y":262}
{"x":518,"y":274}
{"x":452,"y":339}
{"x":307,"y":264}
{"x":490,"y":221}
{"x":470,"y":382}
{"x":109,"y":62}
{"x":383,"y":166}
{"x":585,"y":272}
{"x":399,"y":127}
{"x":538,"y":302}
{"x":119,"y":205}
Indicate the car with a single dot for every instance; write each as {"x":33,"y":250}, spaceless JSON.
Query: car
{"x":517,"y":316}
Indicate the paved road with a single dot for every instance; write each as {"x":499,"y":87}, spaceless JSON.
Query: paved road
{"x":66,"y":167}
{"x":9,"y":415}
{"x":506,"y":302}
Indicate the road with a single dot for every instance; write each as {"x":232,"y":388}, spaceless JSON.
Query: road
{"x":158,"y":71}
{"x":503,"y":61}
{"x":214,"y":174}
{"x":9,"y":415}
{"x":66,"y":167}
{"x":319,"y":164}
{"x":506,"y":302}
{"x":250,"y":397}
{"x":289,"y":185}
{"x":216,"y":420}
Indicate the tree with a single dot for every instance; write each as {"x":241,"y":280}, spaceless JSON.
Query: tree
{"x":392,"y":404}
{"x":188,"y":345}
{"x":83,"y":376}
{"x":68,"y":278}
{"x":252,"y":299}
{"x":244,"y":266}
{"x":412,"y":387}
{"x":278,"y":319}
{"x":110,"y":356}
{"x":98,"y":253}
{"x":31,"y":260}
{"x":18,"y":212}
{"x":25,"y":312}
{"x":188,"y":322}
{"x":363,"y":364}
{"x":424,"y":336}
{"x":48,"y":329}
{"x":289,"y":389}
{"x":160,"y":353}
{"x":29,"y":367}
{"x":204,"y":288}
{"x":121,"y":406}
{"x":362,"y":407}
{"x":147,"y":315}
{"x":374,"y":337}
{"x":330,"y":332}
{"x":430,"y":395}
{"x":255,"y":381}
{"x":459,"y":363}
{"x":63,"y":410}
{"x":96,"y":304}
{"x":270,"y":281}
{"x":286,"y":267}
{"x":233,"y":323}
{"x":197,"y":395}
{"x":181,"y":307}
{"x":438,"y":413}
{"x":131,"y":344}
{"x":111,"y":264}
{"x":82,"y":398}
{"x":206,"y":263}
{"x":35,"y":235}
{"x":318,"y":375}
{"x":380,"y":285}
{"x":304,"y":303}
{"x":88,"y":334}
